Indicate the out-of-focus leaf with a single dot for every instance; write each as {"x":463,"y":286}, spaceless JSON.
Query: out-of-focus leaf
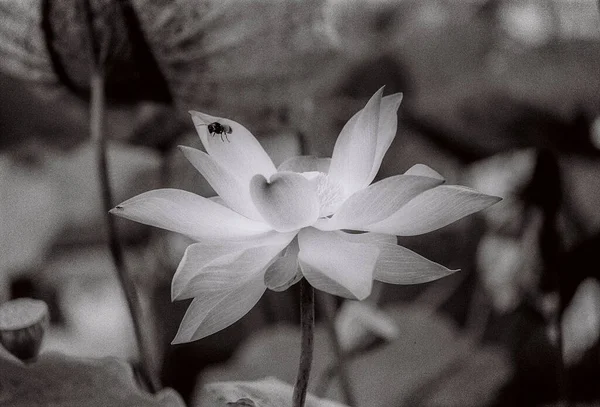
{"x":22,"y":46}
{"x":581,"y":182}
{"x":208,"y":50}
{"x":494,"y":95}
{"x":131,"y":170}
{"x":509,"y":267}
{"x":60,"y":381}
{"x":543,"y":98}
{"x":358,"y":321}
{"x":94,"y":316}
{"x":428,"y":355}
{"x":507,"y":256}
{"x":581,"y":321}
{"x":49,"y":41}
{"x":528,"y":23}
{"x":96,"y":322}
{"x":464,"y":383}
{"x":58,"y":198}
{"x":268,"y":392}
{"x":48,"y":114}
{"x":504,"y":175}
{"x":28,"y":221}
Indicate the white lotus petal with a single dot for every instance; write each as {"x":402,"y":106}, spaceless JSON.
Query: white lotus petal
{"x":336,"y":265}
{"x":225,"y":271}
{"x":219,"y":200}
{"x":433,"y":209}
{"x":305,"y":163}
{"x":242,"y":155}
{"x":424,"y":171}
{"x":284,"y":271}
{"x":355,"y":148}
{"x":196,"y":313}
{"x":189,"y":214}
{"x":378,"y":201}
{"x":217,"y":310}
{"x":368,"y":238}
{"x":210,"y":266}
{"x":399,"y":265}
{"x":196,"y":257}
{"x":287,"y":284}
{"x":386,"y":131}
{"x":288,"y":201}
{"x":235,"y":194}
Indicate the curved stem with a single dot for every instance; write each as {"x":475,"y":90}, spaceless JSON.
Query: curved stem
{"x":133,"y":302}
{"x":307,"y":323}
{"x":98,"y":51}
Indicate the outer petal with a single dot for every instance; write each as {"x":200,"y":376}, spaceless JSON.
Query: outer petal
{"x":189,"y":214}
{"x":242,"y":155}
{"x":399,"y":265}
{"x":337,"y":265}
{"x":196,"y":257}
{"x":217,"y":310}
{"x":433,"y":209}
{"x":209,"y":267}
{"x":282,"y":274}
{"x":355,"y":149}
{"x":386,"y":131}
{"x":288,"y":201}
{"x":424,"y":171}
{"x":234,"y":192}
{"x":377,"y":202}
{"x":284,"y":271}
{"x":194,"y":278}
{"x":217,"y":199}
{"x":305,"y":163}
{"x":368,"y":238}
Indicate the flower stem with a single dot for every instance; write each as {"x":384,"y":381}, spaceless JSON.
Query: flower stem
{"x":135,"y":307}
{"x":133,"y":302}
{"x":327,"y":306}
{"x":307,"y":324}
{"x":98,"y":137}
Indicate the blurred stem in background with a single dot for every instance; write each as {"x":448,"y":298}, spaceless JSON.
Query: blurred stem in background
{"x":98,"y":52}
{"x":327,"y":307}
{"x":307,"y":324}
{"x":545,"y":191}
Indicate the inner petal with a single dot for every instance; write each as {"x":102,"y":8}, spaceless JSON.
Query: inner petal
{"x":287,"y":201}
{"x":330,"y":194}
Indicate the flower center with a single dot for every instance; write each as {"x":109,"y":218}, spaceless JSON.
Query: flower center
{"x":329,"y":193}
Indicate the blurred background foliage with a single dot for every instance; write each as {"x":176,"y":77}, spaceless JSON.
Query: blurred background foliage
{"x":500,"y":95}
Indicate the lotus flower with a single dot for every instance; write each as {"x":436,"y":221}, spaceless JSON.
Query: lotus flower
{"x":269,"y":227}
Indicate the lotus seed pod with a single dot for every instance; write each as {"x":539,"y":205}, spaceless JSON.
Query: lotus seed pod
{"x":22,"y":325}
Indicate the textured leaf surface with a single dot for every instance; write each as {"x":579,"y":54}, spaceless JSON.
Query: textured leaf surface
{"x":268,"y":392}
{"x":430,"y":353}
{"x":60,"y":381}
